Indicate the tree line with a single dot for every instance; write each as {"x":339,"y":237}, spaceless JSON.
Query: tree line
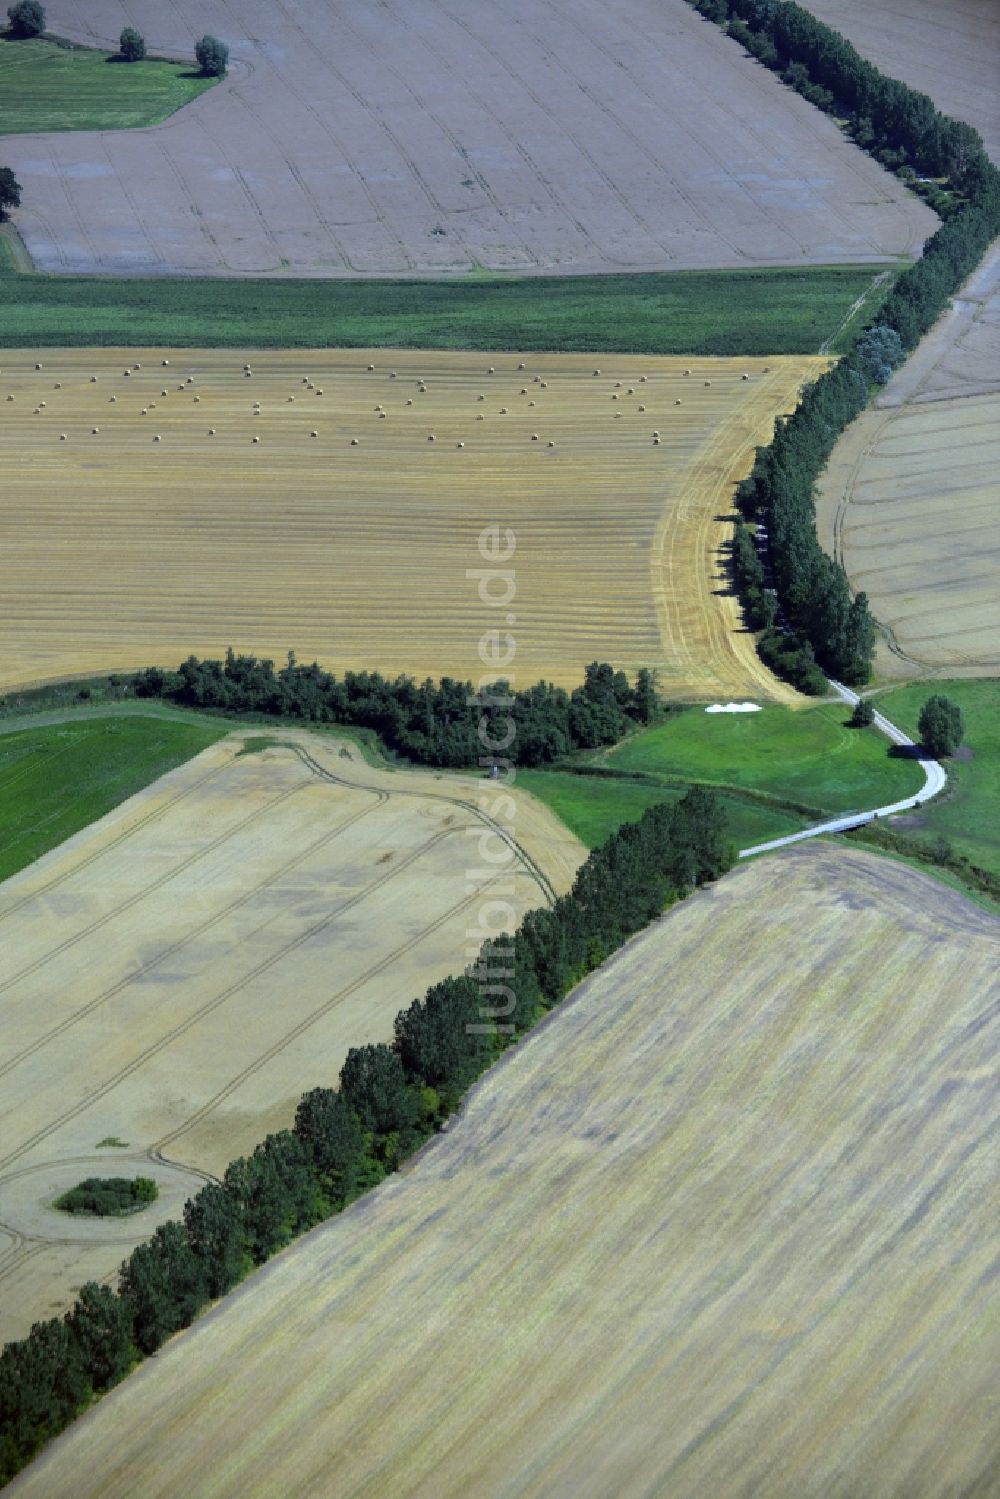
{"x":448,"y":723}
{"x":391,"y":1099}
{"x":804,"y":612}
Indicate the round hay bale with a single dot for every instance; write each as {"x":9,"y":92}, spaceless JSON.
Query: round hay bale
{"x":305,"y":379}
{"x":642,"y":408}
{"x":37,"y":411}
{"x":354,"y":442}
{"x":93,"y":379}
{"x":642,"y":379}
{"x":62,"y":436}
{"x":152,"y":405}
{"x":551,"y":444}
{"x":157,"y":437}
{"x":94,"y":431}
{"x":687,"y":372}
{"x":656,"y":442}
{"x":409,"y":403}
{"x":255,"y":439}
{"x":246,"y":366}
{"x":531,"y":403}
{"x":460,"y":444}
{"x":480,"y":397}
{"x":58,"y":385}
{"x":708,"y":382}
{"x":144,"y":412}
{"x":431,"y":437}
{"x":163,"y":392}
{"x":618,"y":385}
{"x":370,"y":368}
{"x":491,"y":370}
{"x":630,"y":391}
{"x":137,"y":366}
{"x":180,"y":387}
{"x":310,"y":386}
{"x":41,"y":405}
{"x":597,"y":372}
{"x":677,"y":402}
{"x":127,"y":374}
{"x":381,"y":416}
{"x":189,"y":380}
{"x":534,"y":436}
{"x":767,"y":369}
{"x":543,"y":384}
{"x":211,"y":431}
{"x":112,"y":400}
{"x":503,"y":411}
{"x":165,"y":362}
{"x":520,"y":366}
{"x":319,"y":392}
{"x":524,"y":390}
{"x":480,"y":417}
{"x":614,"y":395}
{"x":38,"y":366}
{"x":392,"y":374}
{"x":292,"y":398}
{"x":744,"y":377}
{"x":313,"y":434}
{"x":656,"y":434}
{"x":248,"y":374}
{"x":197,"y":399}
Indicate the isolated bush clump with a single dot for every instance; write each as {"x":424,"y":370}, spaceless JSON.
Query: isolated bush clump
{"x":27,"y":18}
{"x":10,"y":192}
{"x":131,"y":45}
{"x":879,"y":351}
{"x":212,"y":55}
{"x":941,"y":727}
{"x":863,"y":715}
{"x":109,"y":1196}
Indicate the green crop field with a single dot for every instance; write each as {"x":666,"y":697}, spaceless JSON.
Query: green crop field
{"x":720,"y":312}
{"x":55,"y":780}
{"x":52,"y":86}
{"x":966,"y":814}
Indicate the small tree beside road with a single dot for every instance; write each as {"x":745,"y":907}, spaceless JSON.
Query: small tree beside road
{"x":27,"y":18}
{"x":941,"y":727}
{"x":212,"y":55}
{"x":131,"y":45}
{"x":863,"y":715}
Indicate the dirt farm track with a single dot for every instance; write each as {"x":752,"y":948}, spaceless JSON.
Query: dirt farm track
{"x":427,"y":137}
{"x":764,"y":1269}
{"x":176,"y":975}
{"x":159,"y":527}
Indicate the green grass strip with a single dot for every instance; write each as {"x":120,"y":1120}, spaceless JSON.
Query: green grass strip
{"x":46,"y":85}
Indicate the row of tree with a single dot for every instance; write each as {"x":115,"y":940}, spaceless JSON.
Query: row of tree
{"x":447,"y":723}
{"x":390,"y":1100}
{"x":27,"y":19}
{"x":810,"y":620}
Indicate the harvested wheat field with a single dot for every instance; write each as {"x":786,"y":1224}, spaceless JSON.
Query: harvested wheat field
{"x":398,"y":140}
{"x":722,"y":1227}
{"x":908,"y":501}
{"x":177,"y":975}
{"x":171,"y":529}
{"x":951,"y":52}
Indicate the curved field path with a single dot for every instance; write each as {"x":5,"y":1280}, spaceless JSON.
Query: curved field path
{"x":722,"y":1226}
{"x":430,"y":137}
{"x":125,"y":551}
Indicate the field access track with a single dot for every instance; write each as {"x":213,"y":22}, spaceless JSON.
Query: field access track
{"x":432,"y":138}
{"x":722,"y":1226}
{"x":177,"y":975}
{"x":169,"y":530}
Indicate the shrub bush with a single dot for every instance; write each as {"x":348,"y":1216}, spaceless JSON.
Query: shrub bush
{"x":131,"y":45}
{"x":27,"y":18}
{"x":212,"y":55}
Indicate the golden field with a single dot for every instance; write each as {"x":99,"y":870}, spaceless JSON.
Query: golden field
{"x":123,"y":551}
{"x":722,"y":1226}
{"x":177,"y":974}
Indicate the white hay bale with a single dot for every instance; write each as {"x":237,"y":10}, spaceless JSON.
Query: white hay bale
{"x":744,"y":377}
{"x":58,"y":385}
{"x":687,"y":372}
{"x":164,"y":362}
{"x":409,"y":403}
{"x":292,"y":398}
{"x":247,"y":375}
{"x":190,"y":380}
{"x":246,"y":366}
{"x":313,"y":434}
{"x":37,"y":411}
{"x":642,"y":408}
{"x":62,"y":436}
{"x":94,"y":431}
{"x":534,"y":436}
{"x":354,"y":442}
{"x":480,"y":397}
{"x":531,"y":403}
{"x":144,"y":412}
{"x":163,"y":392}
{"x":642,"y":379}
{"x":614,"y":395}
{"x":597,"y":372}
{"x":524,"y":390}
{"x":503,"y":411}
{"x":431,"y":437}
{"x":656,"y":434}
{"x":371,"y":367}
{"x":491,"y":370}
{"x":41,"y":405}
{"x":618,"y":385}
{"x":520,"y":366}
{"x":381,"y":416}
{"x":197,"y":399}
{"x":319,"y":392}
{"x":551,"y":444}
{"x":152,"y":405}
{"x":656,"y":442}
{"x":112,"y":400}
{"x":211,"y":431}
{"x":708,"y":382}
{"x":127,"y":374}
{"x":480,"y":418}
{"x":630,"y":391}
{"x":677,"y":403}
{"x":460,"y":445}
{"x":38,"y":366}
{"x":137,"y":366}
{"x":157,"y":437}
{"x":305,"y":379}
{"x":543,"y":384}
{"x":255,"y":439}
{"x":180,"y":387}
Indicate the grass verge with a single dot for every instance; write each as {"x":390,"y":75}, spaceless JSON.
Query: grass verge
{"x":967,"y":815}
{"x":57,"y":779}
{"x":722,"y":312}
{"x":48,"y":85}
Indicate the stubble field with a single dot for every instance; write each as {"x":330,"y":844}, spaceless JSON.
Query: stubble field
{"x":908,"y":500}
{"x":408,"y":139}
{"x":175,"y":976}
{"x":760,"y":1265}
{"x":125,"y":551}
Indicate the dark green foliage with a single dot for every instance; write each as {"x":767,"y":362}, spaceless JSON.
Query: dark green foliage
{"x":374,"y":1083}
{"x":212,"y":55}
{"x":100,"y":1325}
{"x":10,"y":191}
{"x":447,"y":724}
{"x":27,"y":18}
{"x":109,"y":1196}
{"x":863,"y":715}
{"x":331,"y":1132}
{"x":42,"y":1387}
{"x":164,"y":1284}
{"x":445,"y":1039}
{"x":941,"y":727}
{"x":213,"y":1220}
{"x":275,"y":1192}
{"x":131,"y":45}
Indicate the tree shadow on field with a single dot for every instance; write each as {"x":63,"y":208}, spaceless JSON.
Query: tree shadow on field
{"x":908,"y":752}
